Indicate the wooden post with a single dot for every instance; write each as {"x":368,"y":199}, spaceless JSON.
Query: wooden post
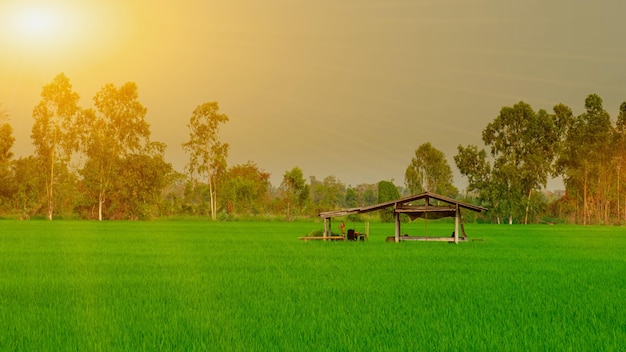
{"x":325,"y":227}
{"x":328,"y":229}
{"x":457,"y":217}
{"x":397,"y":217}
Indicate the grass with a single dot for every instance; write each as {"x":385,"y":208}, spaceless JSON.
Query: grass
{"x":189,"y":285}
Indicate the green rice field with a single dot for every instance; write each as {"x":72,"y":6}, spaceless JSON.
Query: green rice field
{"x":253,"y":286}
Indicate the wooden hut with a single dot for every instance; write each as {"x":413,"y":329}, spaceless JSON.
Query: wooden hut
{"x":425,"y":205}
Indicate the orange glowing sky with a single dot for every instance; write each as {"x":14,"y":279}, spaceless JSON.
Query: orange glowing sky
{"x":347,"y":88}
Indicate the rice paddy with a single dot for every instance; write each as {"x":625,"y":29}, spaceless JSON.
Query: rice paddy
{"x":192,"y":285}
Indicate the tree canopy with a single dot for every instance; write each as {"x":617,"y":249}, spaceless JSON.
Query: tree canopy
{"x":100,"y":162}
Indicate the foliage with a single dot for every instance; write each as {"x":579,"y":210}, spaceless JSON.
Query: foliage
{"x":245,"y":189}
{"x":387,"y":191}
{"x":295,"y":190}
{"x":111,"y":133}
{"x":523,"y":145}
{"x":327,"y":194}
{"x":7,"y":187}
{"x":207,"y":154}
{"x":587,"y":160}
{"x":429,"y":171}
{"x":142,"y":179}
{"x":53,"y":133}
{"x":29,"y":182}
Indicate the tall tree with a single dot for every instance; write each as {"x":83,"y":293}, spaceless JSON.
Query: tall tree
{"x":53,"y":132}
{"x":621,"y":165}
{"x":295,"y":189}
{"x":117,"y":128}
{"x":207,"y":153}
{"x":387,"y":191}
{"x":429,"y":171}
{"x":523,"y":145}
{"x":585,"y":158}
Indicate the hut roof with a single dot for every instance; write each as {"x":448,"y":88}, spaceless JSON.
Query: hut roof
{"x":426,"y":204}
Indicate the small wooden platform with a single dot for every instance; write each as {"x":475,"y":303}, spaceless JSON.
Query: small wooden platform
{"x":318,"y":238}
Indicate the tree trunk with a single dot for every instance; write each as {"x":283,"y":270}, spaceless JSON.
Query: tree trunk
{"x":100,"y":204}
{"x":527,"y":206}
{"x":51,"y":184}
{"x":212,"y":199}
{"x":585,"y":210}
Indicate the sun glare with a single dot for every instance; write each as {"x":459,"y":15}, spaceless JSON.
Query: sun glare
{"x":37,"y":24}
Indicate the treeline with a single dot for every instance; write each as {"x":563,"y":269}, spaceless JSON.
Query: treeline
{"x":101,"y":163}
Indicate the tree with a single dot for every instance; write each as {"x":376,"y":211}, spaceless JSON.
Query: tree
{"x":329,"y":193}
{"x":29,"y":182}
{"x":245,"y":188}
{"x":523,"y":145}
{"x":387,"y":191}
{"x":207,"y":153}
{"x":429,"y":171}
{"x":53,"y":132}
{"x":6,"y":137}
{"x":6,"y":143}
{"x":586,"y":159}
{"x":472,"y":163}
{"x":143,"y":177}
{"x":115,"y":130}
{"x":621,"y":152}
{"x":367,"y":194}
{"x":295,"y":189}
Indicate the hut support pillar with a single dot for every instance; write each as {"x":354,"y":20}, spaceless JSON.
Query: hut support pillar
{"x":457,"y":219}
{"x":397,"y":218}
{"x":327,"y":228}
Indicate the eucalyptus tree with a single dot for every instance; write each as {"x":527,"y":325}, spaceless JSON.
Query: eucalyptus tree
{"x":473,"y":164}
{"x":53,"y":132}
{"x":295,"y":189}
{"x":621,"y":162}
{"x":114,"y":130}
{"x":586,"y":156}
{"x":429,"y":171}
{"x":523,"y":145}
{"x":207,"y":154}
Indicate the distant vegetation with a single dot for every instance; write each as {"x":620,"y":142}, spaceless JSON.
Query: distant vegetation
{"x":100,"y":163}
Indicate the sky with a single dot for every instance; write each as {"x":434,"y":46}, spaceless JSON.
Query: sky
{"x":348,"y":88}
